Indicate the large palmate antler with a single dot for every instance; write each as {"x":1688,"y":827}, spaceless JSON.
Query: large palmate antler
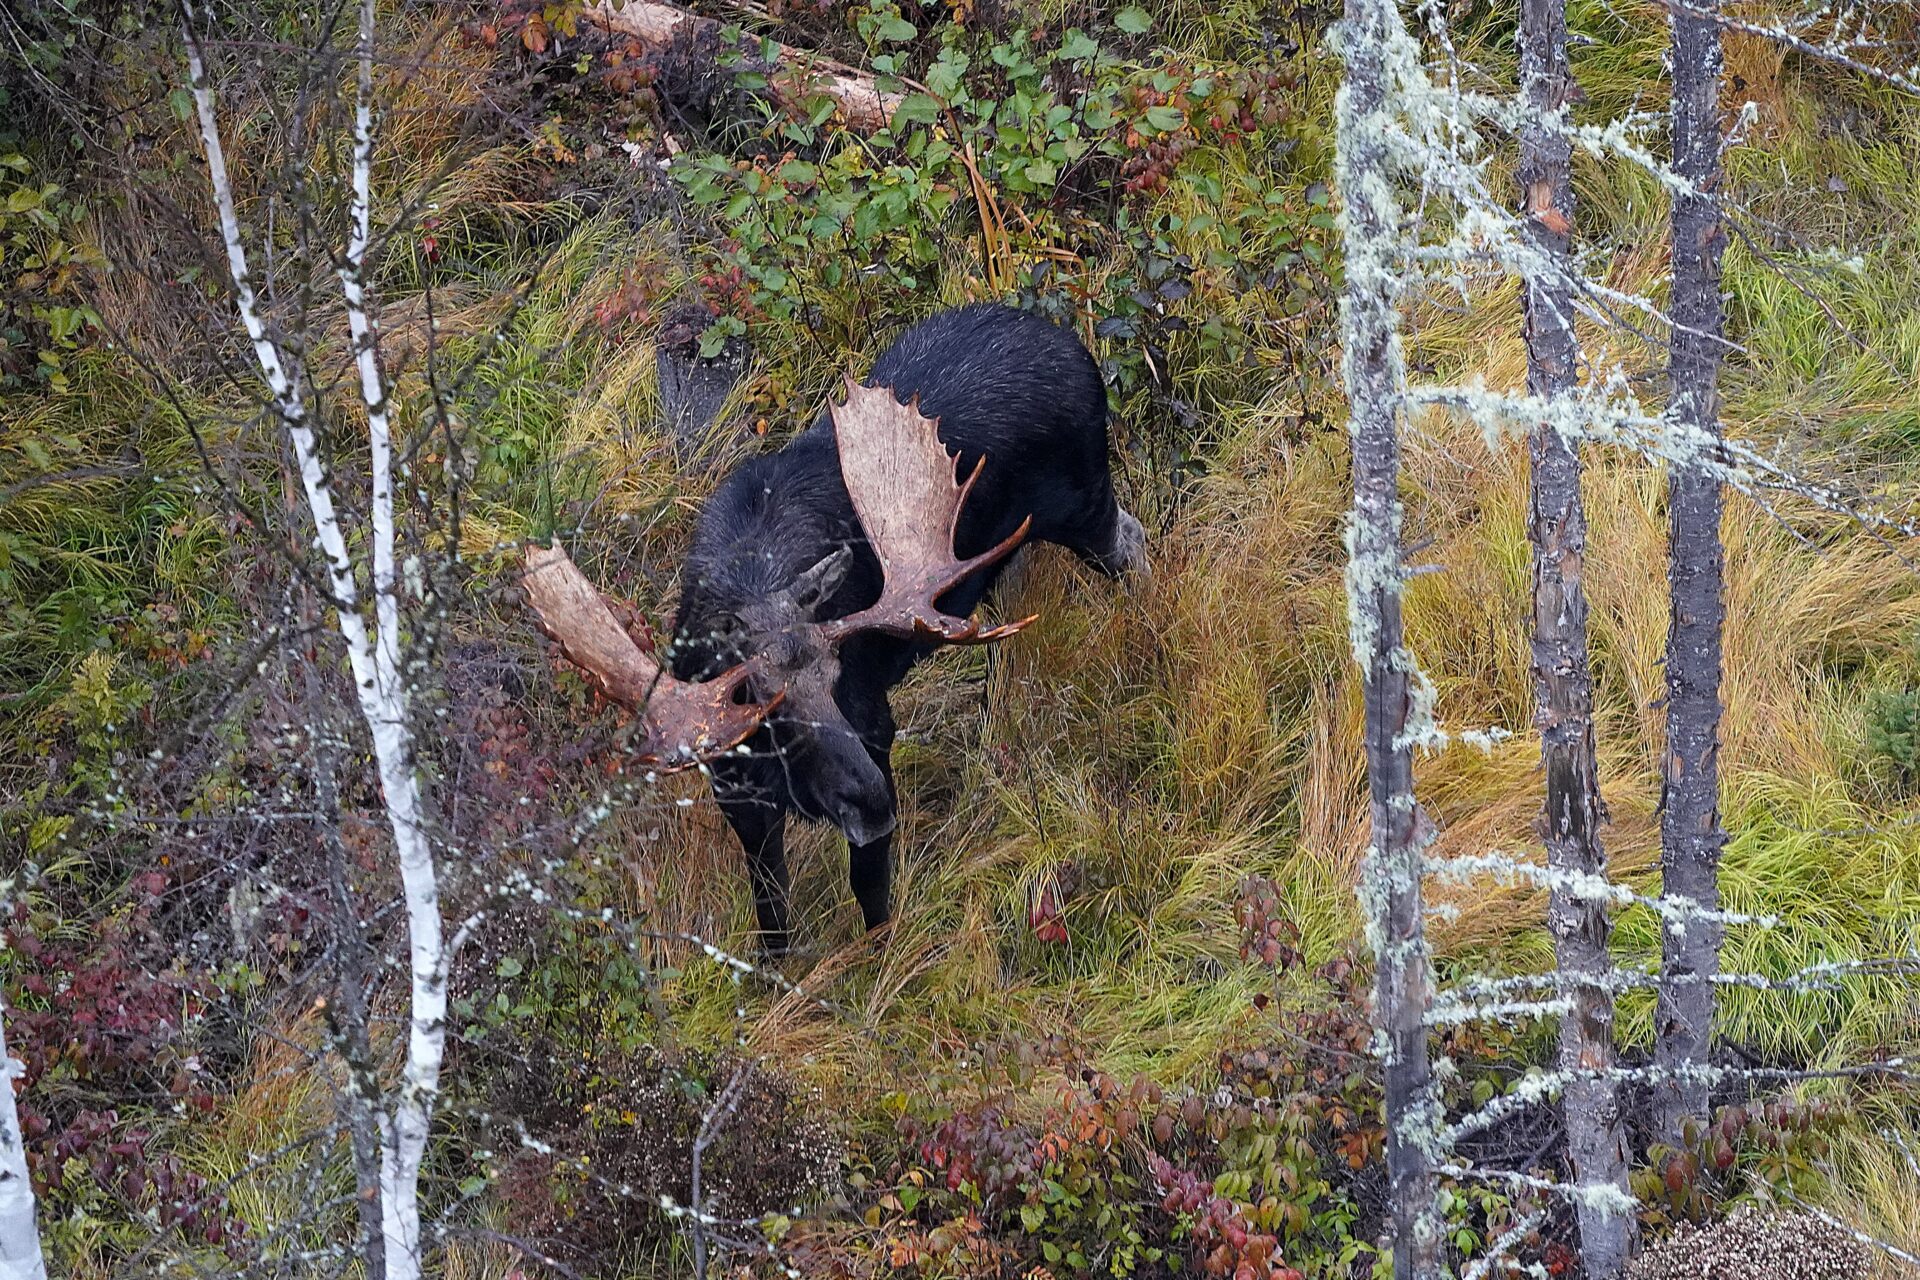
{"x":903,"y":484}
{"x":680,"y":723}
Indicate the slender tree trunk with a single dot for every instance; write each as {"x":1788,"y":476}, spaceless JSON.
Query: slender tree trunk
{"x":373,"y":653}
{"x":19,"y":1233}
{"x":1372,"y":35}
{"x":1562,"y":676}
{"x":348,"y":1016}
{"x":405,"y":1126}
{"x":1690,"y":834}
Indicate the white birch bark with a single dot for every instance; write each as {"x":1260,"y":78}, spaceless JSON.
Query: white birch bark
{"x":19,"y":1232}
{"x":374,"y":656}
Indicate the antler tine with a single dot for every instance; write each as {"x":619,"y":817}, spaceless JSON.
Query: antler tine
{"x":681,"y":723}
{"x":903,"y":484}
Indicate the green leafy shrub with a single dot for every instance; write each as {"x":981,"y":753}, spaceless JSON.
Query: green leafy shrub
{"x":45,"y":271}
{"x":1890,"y":716}
{"x":1042,"y":169}
{"x":1766,"y":1149}
{"x":1266,"y":1171}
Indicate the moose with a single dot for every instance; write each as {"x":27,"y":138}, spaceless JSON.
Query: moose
{"x":819,"y":574}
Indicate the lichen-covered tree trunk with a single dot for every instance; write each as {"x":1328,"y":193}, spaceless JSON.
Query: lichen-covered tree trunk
{"x":1562,"y":677}
{"x":1690,"y":834}
{"x":1374,"y":376}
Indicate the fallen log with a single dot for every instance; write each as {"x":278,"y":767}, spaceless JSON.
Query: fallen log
{"x":795,"y":75}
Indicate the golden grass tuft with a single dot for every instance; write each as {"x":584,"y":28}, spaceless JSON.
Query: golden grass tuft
{"x":259,"y":1144}
{"x":1875,"y":1183}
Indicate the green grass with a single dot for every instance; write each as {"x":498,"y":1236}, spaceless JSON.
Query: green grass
{"x":97,"y":523}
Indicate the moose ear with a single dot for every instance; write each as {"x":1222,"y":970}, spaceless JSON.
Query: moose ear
{"x":817,"y":585}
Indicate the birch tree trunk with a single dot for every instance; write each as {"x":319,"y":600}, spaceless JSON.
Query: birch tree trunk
{"x":19,"y":1233}
{"x":1374,"y":374}
{"x":373,"y":653}
{"x":1562,"y":676}
{"x":1690,"y":834}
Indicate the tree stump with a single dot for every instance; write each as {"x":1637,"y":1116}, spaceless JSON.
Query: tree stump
{"x":693,"y":389}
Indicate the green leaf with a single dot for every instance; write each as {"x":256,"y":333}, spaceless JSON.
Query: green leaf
{"x":509,"y":967}
{"x":897,"y":30}
{"x":1032,"y":1217}
{"x":1051,"y":1249}
{"x":945,"y":75}
{"x":182,"y":103}
{"x":1166,"y":119}
{"x":1042,"y":173}
{"x":1133,"y":20}
{"x":1079,"y":46}
{"x":915,"y":108}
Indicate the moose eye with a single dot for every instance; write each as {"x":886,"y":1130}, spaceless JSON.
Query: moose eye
{"x":785,"y":651}
{"x":752,"y":691}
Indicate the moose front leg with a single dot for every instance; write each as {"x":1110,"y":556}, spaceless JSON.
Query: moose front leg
{"x":762,"y":829}
{"x":870,"y":865}
{"x":870,"y":871}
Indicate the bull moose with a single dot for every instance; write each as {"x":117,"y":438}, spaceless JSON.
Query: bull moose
{"x":819,"y":574}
